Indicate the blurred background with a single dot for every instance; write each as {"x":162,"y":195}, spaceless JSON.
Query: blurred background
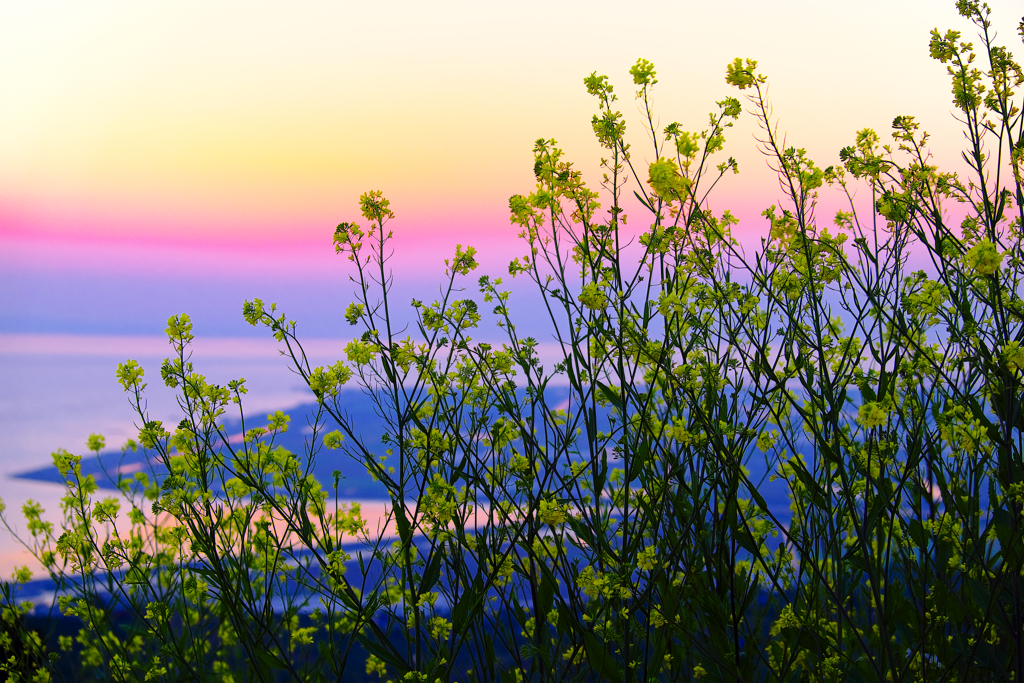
{"x":168,"y":157}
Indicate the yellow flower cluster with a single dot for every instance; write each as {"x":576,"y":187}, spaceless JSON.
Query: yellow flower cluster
{"x":665,"y":179}
{"x":873,"y":414}
{"x":983,"y":258}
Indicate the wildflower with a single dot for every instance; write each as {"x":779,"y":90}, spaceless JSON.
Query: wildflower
{"x":592,"y":297}
{"x":665,"y":180}
{"x":647,"y":558}
{"x":766,"y":440}
{"x":643,"y":72}
{"x":375,"y":666}
{"x":95,"y":442}
{"x":374,"y":206}
{"x":872,"y":414}
{"x":551,"y":513}
{"x":787,"y":619}
{"x":1013,"y":354}
{"x":440,"y":628}
{"x":353,"y":313}
{"x":742,"y":75}
{"x":983,"y":258}
{"x":360,"y":352}
{"x":128,"y":374}
{"x":332,"y":440}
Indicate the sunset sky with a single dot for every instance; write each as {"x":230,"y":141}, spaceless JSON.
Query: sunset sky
{"x":158,"y":130}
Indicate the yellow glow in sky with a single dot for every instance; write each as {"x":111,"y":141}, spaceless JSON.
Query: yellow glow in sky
{"x":267,"y":119}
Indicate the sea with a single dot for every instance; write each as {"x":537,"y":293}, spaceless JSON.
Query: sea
{"x":58,"y":389}
{"x":67,"y":319}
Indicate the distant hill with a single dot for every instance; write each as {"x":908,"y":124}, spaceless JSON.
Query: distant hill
{"x":355,"y":483}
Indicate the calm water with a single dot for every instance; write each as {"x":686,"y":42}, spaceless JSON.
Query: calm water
{"x":57,"y":390}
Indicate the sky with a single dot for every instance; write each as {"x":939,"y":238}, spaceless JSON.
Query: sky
{"x":203,"y":152}
{"x":256,"y":124}
{"x":168,"y":157}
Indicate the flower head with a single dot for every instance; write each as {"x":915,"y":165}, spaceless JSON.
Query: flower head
{"x":984,"y":258}
{"x":872,"y":414}
{"x":665,"y":180}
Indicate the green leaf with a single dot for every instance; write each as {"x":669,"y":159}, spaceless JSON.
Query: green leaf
{"x":1003,"y":524}
{"x":382,"y":651}
{"x":402,"y":522}
{"x":269,"y":659}
{"x":433,"y":570}
{"x":915,"y":529}
{"x":468,"y":604}
{"x":814,"y":489}
{"x":641,"y":456}
{"x":599,"y":658}
{"x":609,"y":395}
{"x":489,"y":656}
{"x":744,"y":538}
{"x":758,"y":498}
{"x":546,"y":590}
{"x":643,"y":201}
{"x":867,"y":394}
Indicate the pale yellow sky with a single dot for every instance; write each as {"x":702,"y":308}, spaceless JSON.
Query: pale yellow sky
{"x":196,"y":119}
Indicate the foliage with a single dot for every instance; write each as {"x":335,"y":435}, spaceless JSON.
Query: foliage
{"x":22,"y":652}
{"x":618,"y":531}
